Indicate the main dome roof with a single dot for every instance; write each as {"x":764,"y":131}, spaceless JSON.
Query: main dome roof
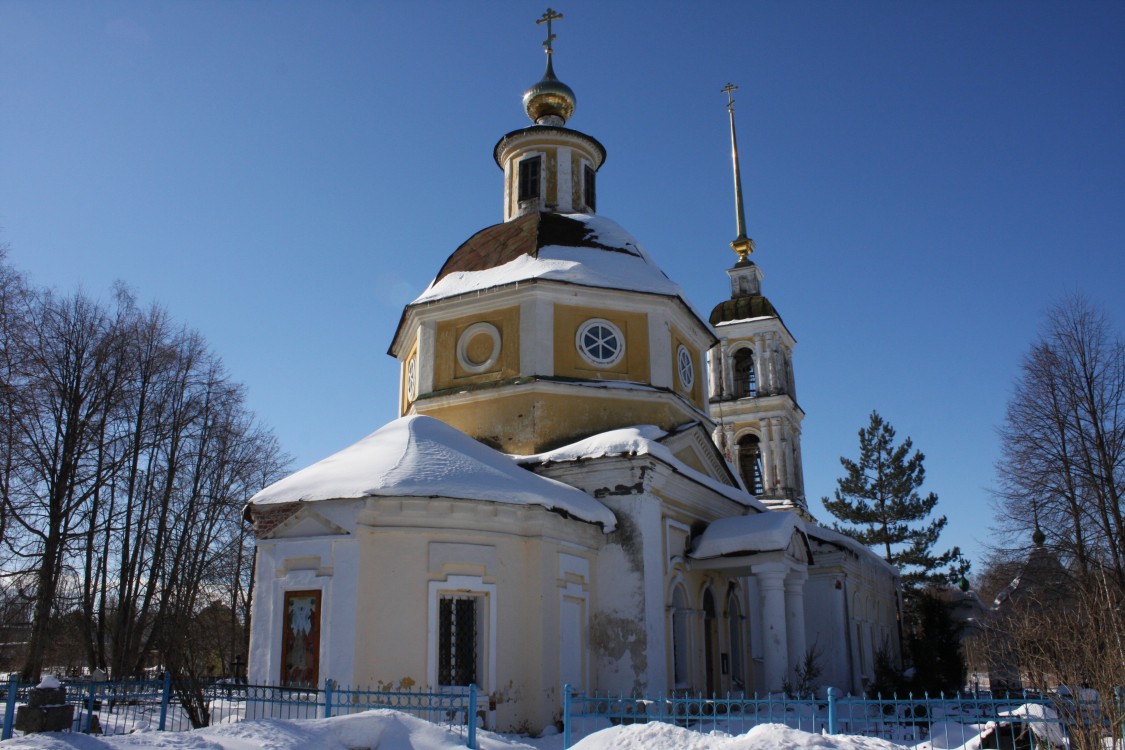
{"x":578,"y":249}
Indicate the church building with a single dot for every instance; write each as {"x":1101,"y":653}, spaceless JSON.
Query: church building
{"x":589,"y":484}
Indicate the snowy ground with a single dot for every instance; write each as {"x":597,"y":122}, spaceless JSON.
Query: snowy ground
{"x":391,"y":730}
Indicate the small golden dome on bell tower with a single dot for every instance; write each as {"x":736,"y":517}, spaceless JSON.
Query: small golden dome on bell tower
{"x":549,"y":102}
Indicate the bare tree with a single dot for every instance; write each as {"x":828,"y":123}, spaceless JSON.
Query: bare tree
{"x":1061,"y":620}
{"x":126,"y":457}
{"x":71,"y":386}
{"x":1063,"y":462}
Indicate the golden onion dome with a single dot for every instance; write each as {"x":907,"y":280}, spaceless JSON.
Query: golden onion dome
{"x":549,"y":102}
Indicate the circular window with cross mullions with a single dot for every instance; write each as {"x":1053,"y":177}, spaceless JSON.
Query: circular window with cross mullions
{"x":686,"y":367}
{"x":412,"y":378}
{"x":600,"y":342}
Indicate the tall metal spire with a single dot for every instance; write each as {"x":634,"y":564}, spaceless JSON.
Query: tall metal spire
{"x":742,"y":244}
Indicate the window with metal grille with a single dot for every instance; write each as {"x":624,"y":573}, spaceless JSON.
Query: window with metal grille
{"x":591,"y":188}
{"x":745,"y":377}
{"x":457,"y":640}
{"x":529,"y":178}
{"x":750,"y":463}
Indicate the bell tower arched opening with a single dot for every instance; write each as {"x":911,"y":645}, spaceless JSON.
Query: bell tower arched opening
{"x":750,"y":463}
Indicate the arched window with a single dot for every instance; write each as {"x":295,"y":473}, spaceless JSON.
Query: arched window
{"x":745,"y":376}
{"x":750,"y":463}
{"x":680,"y":664}
{"x":734,"y":625}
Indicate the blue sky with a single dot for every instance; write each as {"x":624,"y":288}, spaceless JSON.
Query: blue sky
{"x":922,"y":181}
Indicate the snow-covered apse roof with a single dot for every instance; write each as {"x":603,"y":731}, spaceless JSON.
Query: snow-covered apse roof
{"x":740,"y":535}
{"x":636,"y":441}
{"x":424,"y":457}
{"x":575,"y":248}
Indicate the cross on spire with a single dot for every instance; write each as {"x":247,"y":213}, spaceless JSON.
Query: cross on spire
{"x":729,"y":90}
{"x":547,"y":17}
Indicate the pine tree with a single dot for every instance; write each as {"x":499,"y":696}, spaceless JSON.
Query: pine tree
{"x":879,"y":502}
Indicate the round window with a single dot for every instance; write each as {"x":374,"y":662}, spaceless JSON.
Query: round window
{"x":478,"y":348}
{"x":600,"y":342}
{"x":412,"y":378}
{"x":686,"y":367}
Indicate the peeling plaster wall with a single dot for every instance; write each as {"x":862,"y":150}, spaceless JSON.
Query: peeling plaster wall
{"x":627,"y":638}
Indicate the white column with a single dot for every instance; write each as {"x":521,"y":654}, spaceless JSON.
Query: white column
{"x":786,"y":439}
{"x":771,"y":583}
{"x":564,"y":182}
{"x":775,"y":366}
{"x":726,"y":372}
{"x":760,"y":365}
{"x":795,"y":620}
{"x":765,"y":444}
{"x":426,"y":357}
{"x":779,"y":455}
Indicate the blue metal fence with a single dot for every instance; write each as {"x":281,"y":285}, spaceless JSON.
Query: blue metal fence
{"x":996,"y":722}
{"x":120,"y":707}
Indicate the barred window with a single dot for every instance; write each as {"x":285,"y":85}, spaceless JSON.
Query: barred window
{"x":458,"y":632}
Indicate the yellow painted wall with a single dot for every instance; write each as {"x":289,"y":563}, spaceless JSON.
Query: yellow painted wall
{"x":528,"y":422}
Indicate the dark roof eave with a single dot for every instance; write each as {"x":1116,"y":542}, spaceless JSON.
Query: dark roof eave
{"x":544,"y":129}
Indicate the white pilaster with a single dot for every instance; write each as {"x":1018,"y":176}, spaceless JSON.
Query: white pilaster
{"x":795,"y":620}
{"x":771,"y":582}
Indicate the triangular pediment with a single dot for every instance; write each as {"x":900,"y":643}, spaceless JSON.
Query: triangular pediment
{"x":692,"y":445}
{"x":305,"y":522}
{"x":798,"y":548}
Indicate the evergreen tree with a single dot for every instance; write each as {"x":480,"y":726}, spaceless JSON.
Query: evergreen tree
{"x":879,"y":502}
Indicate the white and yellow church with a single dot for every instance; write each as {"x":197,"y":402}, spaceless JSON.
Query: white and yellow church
{"x":589,"y":483}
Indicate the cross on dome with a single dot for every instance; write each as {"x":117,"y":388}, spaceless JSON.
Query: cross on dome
{"x":550,"y":15}
{"x":549,"y":102}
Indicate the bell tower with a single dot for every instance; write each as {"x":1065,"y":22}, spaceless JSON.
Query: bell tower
{"x":753,"y":395}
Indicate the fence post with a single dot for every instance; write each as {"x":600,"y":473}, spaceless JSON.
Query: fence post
{"x":328,"y":685}
{"x":91,"y":694}
{"x":1119,"y":709}
{"x":471,"y":719}
{"x":10,"y":705}
{"x":566,"y":716}
{"x":832,"y":710}
{"x":165,"y":696}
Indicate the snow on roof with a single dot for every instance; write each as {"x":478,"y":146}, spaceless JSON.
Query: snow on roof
{"x":742,"y":320}
{"x":636,"y":441}
{"x":831,"y":536}
{"x":772,"y":530}
{"x":609,"y":258}
{"x":761,"y":532}
{"x":423,"y":457}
